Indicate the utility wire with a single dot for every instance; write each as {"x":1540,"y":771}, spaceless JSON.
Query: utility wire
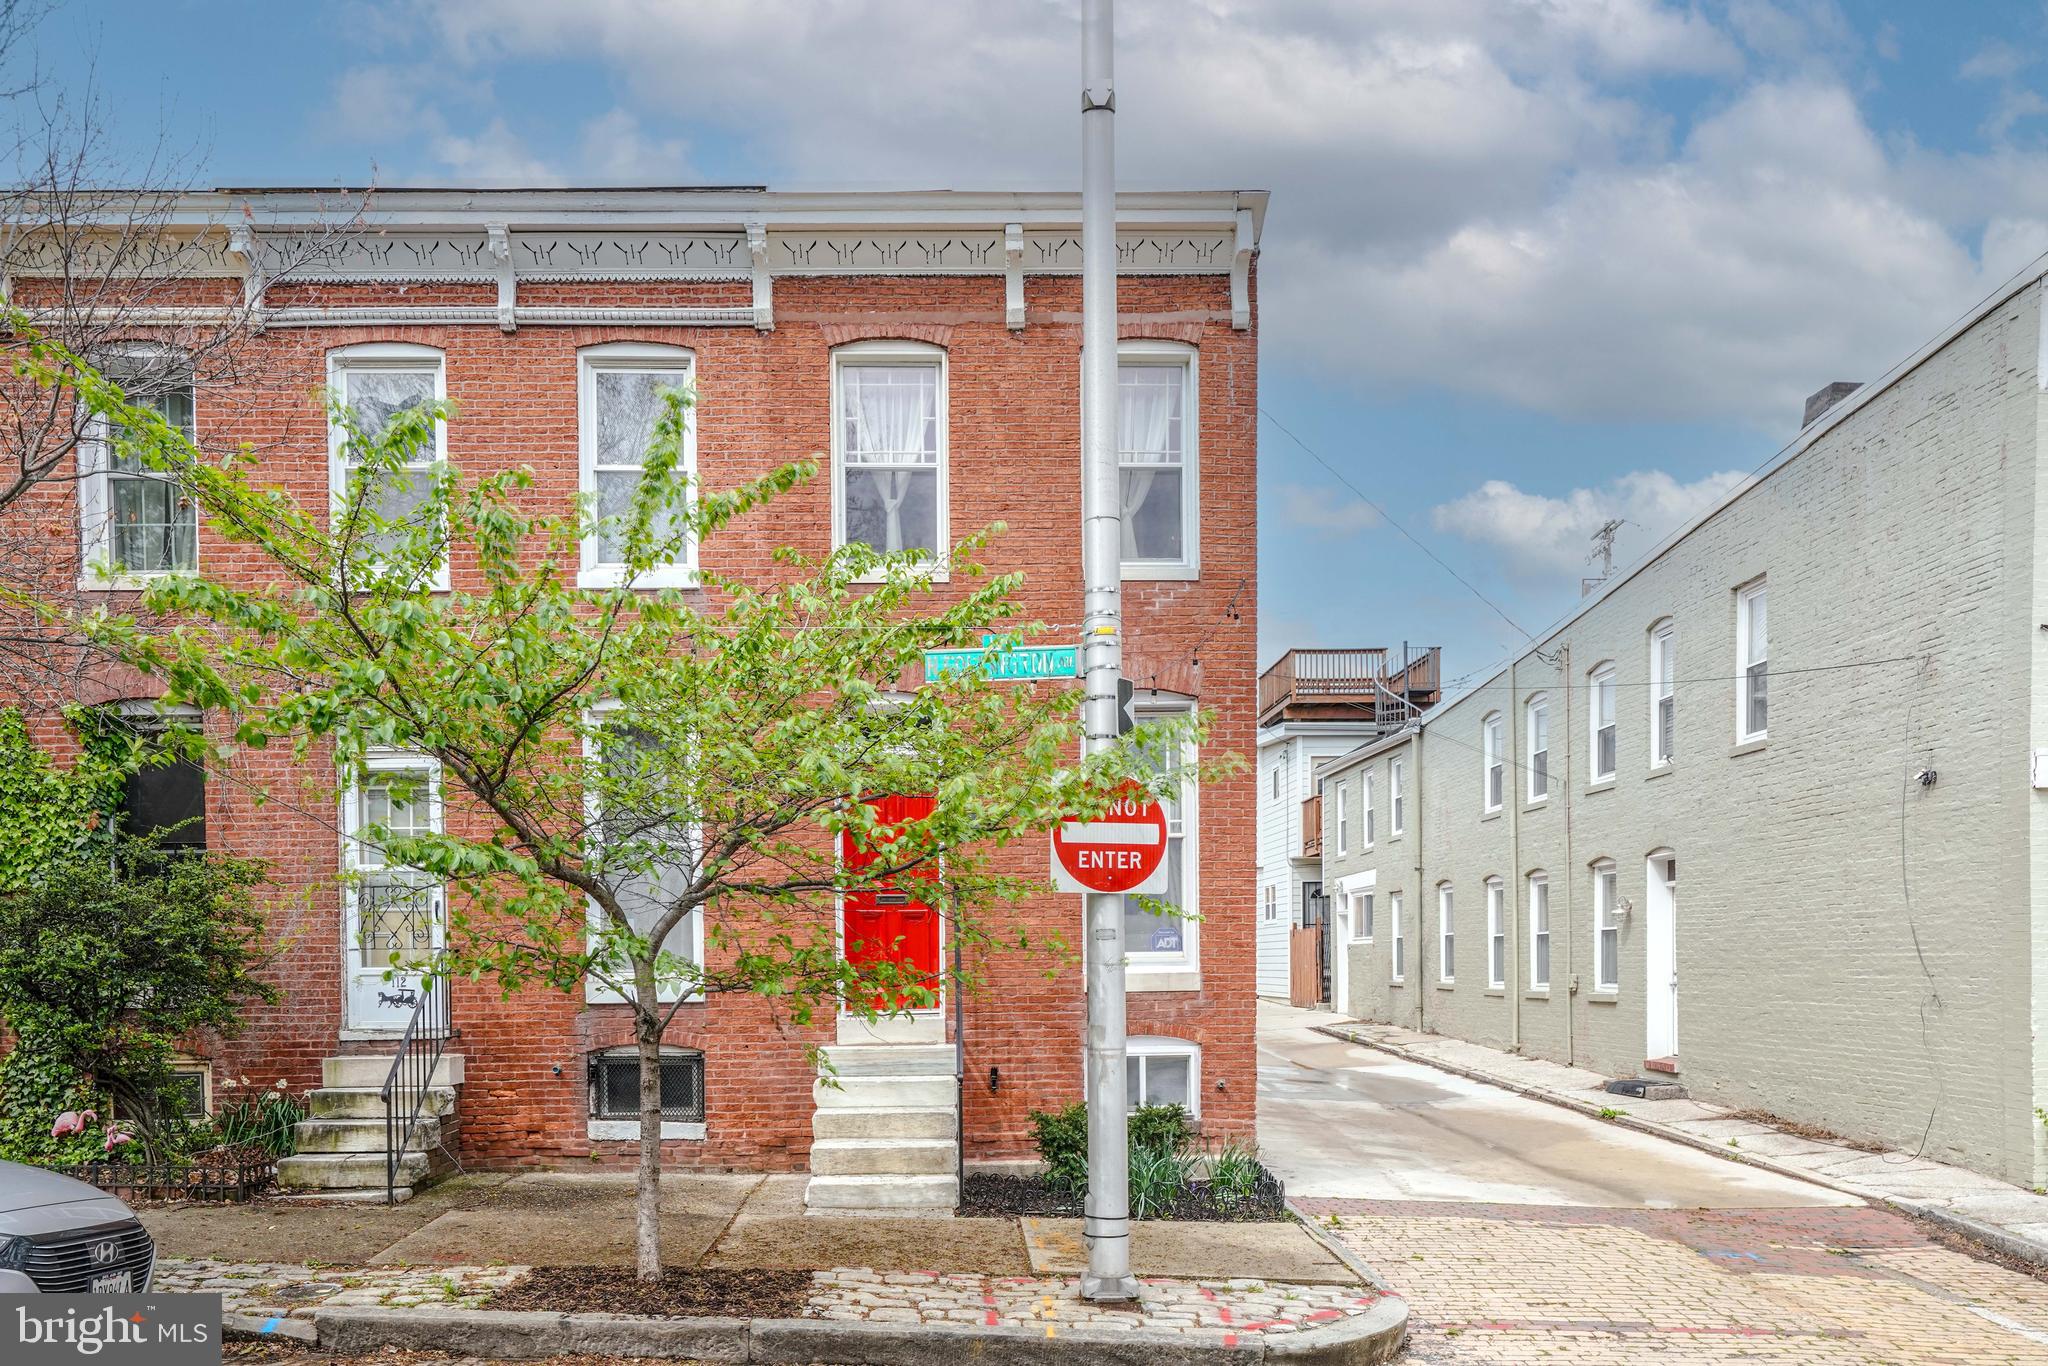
{"x":1388,"y":517}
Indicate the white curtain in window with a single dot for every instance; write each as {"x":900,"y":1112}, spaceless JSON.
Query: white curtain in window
{"x":1148,"y":402}
{"x":888,"y":415}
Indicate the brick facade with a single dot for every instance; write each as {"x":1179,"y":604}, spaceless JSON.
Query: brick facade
{"x":764,"y":400}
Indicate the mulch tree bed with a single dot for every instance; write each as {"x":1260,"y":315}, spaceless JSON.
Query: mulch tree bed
{"x":680,"y":1293}
{"x":994,"y":1195}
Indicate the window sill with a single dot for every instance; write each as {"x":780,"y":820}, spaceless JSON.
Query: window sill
{"x":1497,"y":991}
{"x":1536,"y":994}
{"x":628,"y":1130}
{"x":1492,"y":815}
{"x":1603,"y":785}
{"x":1163,"y":573}
{"x":601,"y":579}
{"x":1446,"y":986}
{"x":128,"y":583}
{"x":1395,"y":983}
{"x":1604,"y":997}
{"x":1742,"y":747}
{"x":1662,"y":770}
{"x":1162,"y":979}
{"x":1536,"y":803}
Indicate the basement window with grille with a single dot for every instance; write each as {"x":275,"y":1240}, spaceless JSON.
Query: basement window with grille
{"x":615,"y":1094}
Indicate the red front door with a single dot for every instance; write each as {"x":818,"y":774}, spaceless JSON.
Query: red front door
{"x":885,"y":922}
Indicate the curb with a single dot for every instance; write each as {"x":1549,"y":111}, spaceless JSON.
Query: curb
{"x":1337,"y":1248}
{"x":2010,"y":1244}
{"x":1361,"y":1340}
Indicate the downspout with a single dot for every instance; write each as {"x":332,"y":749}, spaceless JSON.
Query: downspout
{"x":1515,"y":786}
{"x":959,"y":1074}
{"x":1422,"y":987}
{"x":1569,"y":873}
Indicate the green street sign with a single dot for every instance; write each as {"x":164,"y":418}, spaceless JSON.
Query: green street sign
{"x":1018,"y":664}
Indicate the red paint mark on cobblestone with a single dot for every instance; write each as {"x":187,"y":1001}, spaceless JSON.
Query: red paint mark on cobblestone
{"x":1325,"y":1315}
{"x":1230,"y":1339}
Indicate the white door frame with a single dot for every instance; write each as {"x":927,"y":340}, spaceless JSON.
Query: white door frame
{"x":371,"y":1003}
{"x":1660,"y":956}
{"x":1349,"y":890}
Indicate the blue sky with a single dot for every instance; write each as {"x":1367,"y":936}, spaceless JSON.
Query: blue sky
{"x":1530,"y":264}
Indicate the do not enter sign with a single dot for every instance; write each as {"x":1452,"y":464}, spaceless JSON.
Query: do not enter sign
{"x":1122,"y":850}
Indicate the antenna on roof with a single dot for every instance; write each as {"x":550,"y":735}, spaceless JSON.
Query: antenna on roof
{"x":1603,"y":553}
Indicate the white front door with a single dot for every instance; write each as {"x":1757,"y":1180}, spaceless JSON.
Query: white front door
{"x":393,"y":916}
{"x":1660,"y":995}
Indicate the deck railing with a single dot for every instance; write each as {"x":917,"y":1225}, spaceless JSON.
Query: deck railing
{"x":1363,"y":678}
{"x":1312,"y":827}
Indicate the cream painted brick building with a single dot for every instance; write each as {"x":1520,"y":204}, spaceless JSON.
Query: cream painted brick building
{"x":1835,"y":910}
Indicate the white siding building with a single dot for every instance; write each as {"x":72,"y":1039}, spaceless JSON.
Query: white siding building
{"x":1769,"y":813}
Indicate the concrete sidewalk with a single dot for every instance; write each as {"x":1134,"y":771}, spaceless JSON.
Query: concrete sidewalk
{"x":2013,"y":1220}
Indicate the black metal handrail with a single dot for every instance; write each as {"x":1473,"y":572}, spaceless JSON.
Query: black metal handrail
{"x":412,"y":1076}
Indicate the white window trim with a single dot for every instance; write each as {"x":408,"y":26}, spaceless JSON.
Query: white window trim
{"x":1492,"y":739}
{"x":1397,"y":966}
{"x":341,"y":361}
{"x":1343,"y":817}
{"x":1664,"y":631}
{"x":1365,"y":804}
{"x":1598,"y":677}
{"x":635,"y":358}
{"x":1271,"y":905}
{"x":1496,"y":933}
{"x":1397,"y":822}
{"x":1189,"y":566}
{"x":1744,"y":598}
{"x":1177,"y":971}
{"x":1446,"y":932}
{"x":1161,"y":1046}
{"x":1606,"y":875}
{"x":895,"y":352}
{"x":96,"y":499}
{"x":1535,"y":881}
{"x":594,"y":991}
{"x":1539,"y":704}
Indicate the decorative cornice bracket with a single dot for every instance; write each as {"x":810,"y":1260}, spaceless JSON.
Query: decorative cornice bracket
{"x":242,"y":246}
{"x":764,"y":284}
{"x":1013,"y":275}
{"x":1241,"y":272}
{"x":498,"y":241}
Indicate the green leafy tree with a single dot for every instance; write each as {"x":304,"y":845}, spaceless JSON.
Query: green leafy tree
{"x":621,"y":761}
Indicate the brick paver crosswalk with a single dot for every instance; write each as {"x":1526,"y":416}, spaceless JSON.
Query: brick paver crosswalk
{"x":1812,"y":1287}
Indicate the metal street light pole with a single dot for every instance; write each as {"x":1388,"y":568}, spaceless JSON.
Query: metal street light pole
{"x":1107,"y":1226}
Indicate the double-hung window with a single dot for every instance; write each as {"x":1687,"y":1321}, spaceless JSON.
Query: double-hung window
{"x":1496,"y":933}
{"x":377,"y":382}
{"x":1361,"y":917}
{"x":1539,"y":932}
{"x":1492,"y":733}
{"x":1163,"y":937}
{"x":1601,"y":714}
{"x":1663,"y":692}
{"x":1606,"y":929}
{"x":1752,"y":666}
{"x":1446,"y":934}
{"x":1343,"y":818}
{"x":889,"y":447}
{"x":620,"y":398}
{"x":1398,"y":955}
{"x":1272,"y":903}
{"x":138,"y":522}
{"x":1397,"y":816}
{"x":164,"y":797}
{"x":1365,"y":804}
{"x":1538,"y":725}
{"x":1156,"y":459}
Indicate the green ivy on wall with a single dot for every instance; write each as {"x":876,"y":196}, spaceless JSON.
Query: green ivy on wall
{"x":47,"y":812}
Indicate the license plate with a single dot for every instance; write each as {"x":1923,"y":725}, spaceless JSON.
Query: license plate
{"x":113,"y":1283}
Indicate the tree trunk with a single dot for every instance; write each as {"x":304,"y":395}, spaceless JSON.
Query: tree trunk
{"x":647,"y":1187}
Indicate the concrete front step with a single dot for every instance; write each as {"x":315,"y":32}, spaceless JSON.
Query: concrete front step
{"x":891,"y":1060}
{"x":361,"y":1135}
{"x":368,"y":1070}
{"x":348,"y":1171}
{"x":886,"y":1195}
{"x":851,"y":1122}
{"x":367,"y":1102}
{"x":887,"y":1092}
{"x":884,"y":1157}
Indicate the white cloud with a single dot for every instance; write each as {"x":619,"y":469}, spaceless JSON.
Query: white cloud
{"x":1326,"y":511}
{"x":1539,"y":534}
{"x":1468,"y":194}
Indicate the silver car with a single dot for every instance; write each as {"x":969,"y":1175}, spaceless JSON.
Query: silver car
{"x":62,"y":1236}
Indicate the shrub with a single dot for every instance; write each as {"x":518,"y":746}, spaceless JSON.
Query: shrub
{"x":271,"y":1119}
{"x":1061,"y":1137}
{"x":1155,"y":1131}
{"x":1158,"y":1176}
{"x":107,"y":961}
{"x":1160,"y":1127}
{"x":1234,"y":1173}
